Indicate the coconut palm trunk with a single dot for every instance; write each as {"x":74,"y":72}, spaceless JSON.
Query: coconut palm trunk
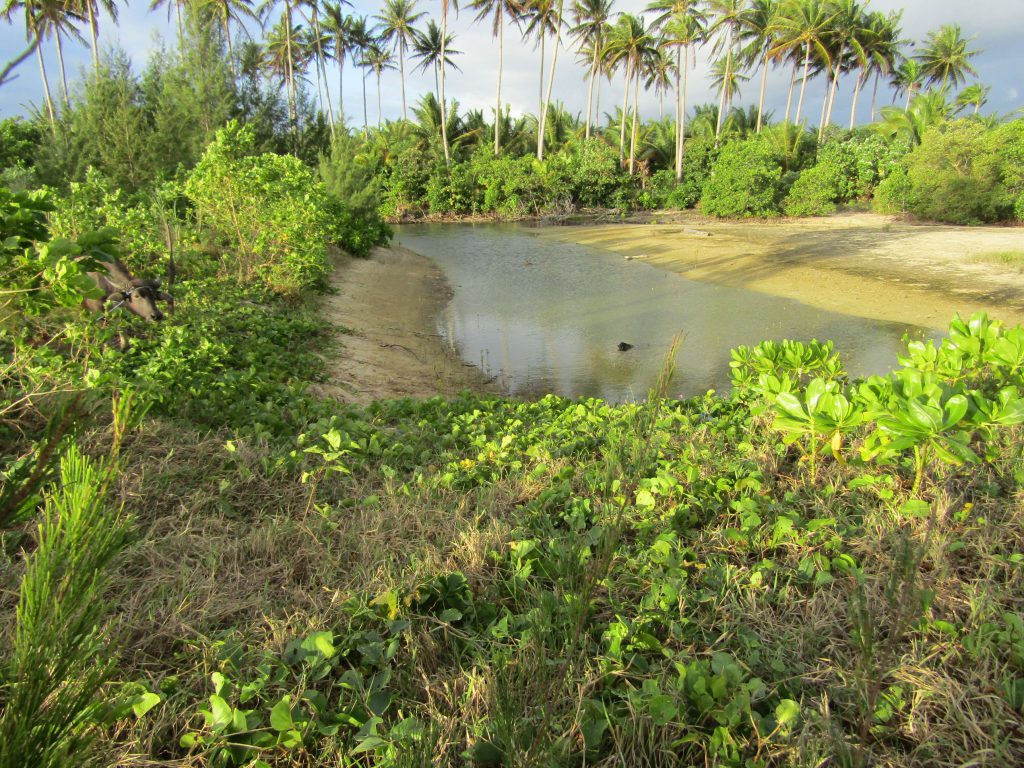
{"x":501,"y":57}
{"x":94,"y":32}
{"x":679,"y":113}
{"x":590,"y":90}
{"x":622,"y":121}
{"x":551,"y":85}
{"x":46,"y":87}
{"x":63,"y":71}
{"x":803,"y":83}
{"x":856,"y":95}
{"x":824,"y":109}
{"x":636,"y":109}
{"x":874,"y":98}
{"x":401,"y":74}
{"x":227,"y":37}
{"x":725,"y":82}
{"x":792,"y":87}
{"x":832,"y":94}
{"x":444,"y":111}
{"x":293,"y":116}
{"x":378,"y":100}
{"x":764,"y":86}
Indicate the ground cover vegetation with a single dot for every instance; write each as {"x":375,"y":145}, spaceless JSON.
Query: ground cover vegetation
{"x":204,"y":563}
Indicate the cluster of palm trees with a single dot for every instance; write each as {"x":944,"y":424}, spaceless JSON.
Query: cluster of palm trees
{"x":814,"y":40}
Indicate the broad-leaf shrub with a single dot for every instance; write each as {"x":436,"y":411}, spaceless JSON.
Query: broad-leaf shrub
{"x":269,"y":212}
{"x":745,"y":181}
{"x":832,"y":180}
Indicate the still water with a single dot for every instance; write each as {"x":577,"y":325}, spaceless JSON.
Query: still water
{"x":548,"y":317}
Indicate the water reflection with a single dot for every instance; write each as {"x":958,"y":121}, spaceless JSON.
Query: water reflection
{"x":548,"y":317}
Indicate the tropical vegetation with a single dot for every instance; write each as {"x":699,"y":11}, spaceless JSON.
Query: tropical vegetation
{"x":205,"y":562}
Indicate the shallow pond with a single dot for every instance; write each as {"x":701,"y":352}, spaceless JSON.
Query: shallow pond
{"x":549,"y":317}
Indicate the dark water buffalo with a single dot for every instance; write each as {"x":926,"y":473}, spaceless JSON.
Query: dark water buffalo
{"x":120,"y":289}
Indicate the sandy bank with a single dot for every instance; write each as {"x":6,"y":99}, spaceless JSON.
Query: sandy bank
{"x":389,"y":304}
{"x":860,"y":264}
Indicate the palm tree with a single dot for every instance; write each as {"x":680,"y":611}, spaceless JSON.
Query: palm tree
{"x":444,"y":58}
{"x":176,"y":5}
{"x":972,"y":96}
{"x":396,"y":29}
{"x":682,"y":25}
{"x":55,"y":17}
{"x":908,"y":77}
{"x":282,"y":57}
{"x":545,"y":18}
{"x":227,"y":11}
{"x":320,"y":41}
{"x":591,"y":19}
{"x":360,"y":37}
{"x":659,"y":71}
{"x":848,"y":36}
{"x":540,"y":22}
{"x":337,"y":25}
{"x":435,"y":50}
{"x":924,"y":111}
{"x":631,"y":41}
{"x":35,"y":11}
{"x":883,"y":49}
{"x":379,"y":59}
{"x":759,"y":30}
{"x":731,"y":15}
{"x":90,"y":9}
{"x":803,"y":24}
{"x":727,"y":80}
{"x":945,"y":56}
{"x":498,"y":10}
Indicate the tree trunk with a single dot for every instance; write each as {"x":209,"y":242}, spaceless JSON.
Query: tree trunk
{"x":622,"y":121}
{"x":181,"y":27}
{"x":803,"y":85}
{"x":444,"y":113}
{"x":636,"y":110}
{"x":551,"y":85}
{"x":764,"y":86}
{"x":832,"y":96}
{"x":682,"y":123}
{"x":856,"y":95}
{"x":378,"y":99}
{"x":824,"y":109}
{"x":366,"y":119}
{"x":227,"y":36}
{"x":63,"y":71}
{"x":590,"y":90}
{"x":401,"y":71}
{"x":94,"y":31}
{"x":874,"y":98}
{"x":341,"y":77}
{"x":501,"y":56}
{"x":322,"y":67}
{"x":679,"y":113}
{"x":725,"y":83}
{"x":46,"y":87}
{"x":293,"y":111}
{"x":792,"y":85}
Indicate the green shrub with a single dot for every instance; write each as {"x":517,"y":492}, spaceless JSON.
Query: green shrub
{"x":699,"y":156}
{"x":1008,"y":143}
{"x":269,"y":211}
{"x":955,"y":175}
{"x":745,"y":181}
{"x":19,"y":140}
{"x":894,"y":192}
{"x":817,"y":190}
{"x":591,"y":174}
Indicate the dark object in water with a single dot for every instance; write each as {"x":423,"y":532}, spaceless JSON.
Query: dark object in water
{"x":624,"y":347}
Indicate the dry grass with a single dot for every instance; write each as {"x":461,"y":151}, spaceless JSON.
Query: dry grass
{"x":1013,"y":261}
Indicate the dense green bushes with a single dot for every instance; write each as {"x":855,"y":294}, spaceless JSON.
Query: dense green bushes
{"x":745,"y":181}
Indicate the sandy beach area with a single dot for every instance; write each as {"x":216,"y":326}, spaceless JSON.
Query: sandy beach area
{"x":388,"y":305}
{"x":856,"y":263}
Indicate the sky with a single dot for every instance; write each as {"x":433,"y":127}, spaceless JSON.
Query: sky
{"x":996,"y":26}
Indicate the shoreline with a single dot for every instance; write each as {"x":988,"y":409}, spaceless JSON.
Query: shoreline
{"x":861,"y":264}
{"x":386,"y":307}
